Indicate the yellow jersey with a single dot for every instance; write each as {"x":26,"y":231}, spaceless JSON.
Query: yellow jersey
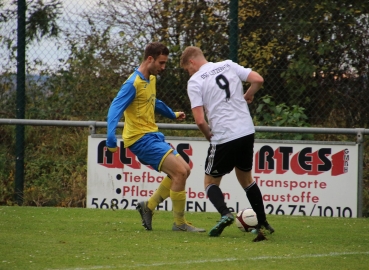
{"x":137,"y":100}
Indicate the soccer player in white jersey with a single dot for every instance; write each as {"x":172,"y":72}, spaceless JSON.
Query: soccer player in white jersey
{"x":217,"y":88}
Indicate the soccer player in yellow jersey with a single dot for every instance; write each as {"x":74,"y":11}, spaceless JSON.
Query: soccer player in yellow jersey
{"x":137,"y":100}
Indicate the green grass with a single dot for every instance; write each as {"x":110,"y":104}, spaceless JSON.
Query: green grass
{"x":89,"y":239}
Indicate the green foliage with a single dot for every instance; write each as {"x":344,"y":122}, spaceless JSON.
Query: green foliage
{"x":307,"y":52}
{"x":270,"y":114}
{"x":55,"y":167}
{"x":85,"y":89}
{"x":7,"y":95}
{"x":42,"y":19}
{"x":366,"y":180}
{"x":7,"y":164}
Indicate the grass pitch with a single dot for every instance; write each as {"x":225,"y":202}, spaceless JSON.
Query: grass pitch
{"x":89,"y":239}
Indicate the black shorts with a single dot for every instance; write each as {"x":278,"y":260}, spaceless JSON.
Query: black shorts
{"x":222,"y":158}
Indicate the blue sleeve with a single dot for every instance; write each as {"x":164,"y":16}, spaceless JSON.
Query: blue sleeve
{"x":163,"y":109}
{"x":120,"y":103}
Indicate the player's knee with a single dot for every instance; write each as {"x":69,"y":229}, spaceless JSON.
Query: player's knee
{"x":183,"y":172}
{"x":188,"y":169}
{"x":188,"y":172}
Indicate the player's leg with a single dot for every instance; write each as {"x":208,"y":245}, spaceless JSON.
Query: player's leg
{"x":255,"y":198}
{"x":244,"y":157}
{"x":150,"y":150}
{"x":163,"y":191}
{"x":174,"y":165}
{"x":156,"y":152}
{"x":178,"y":169}
{"x":146,"y":208}
{"x":253,"y":194}
{"x":218,"y":163}
{"x":160,"y":194}
{"x":216,"y":197}
{"x":215,"y":194}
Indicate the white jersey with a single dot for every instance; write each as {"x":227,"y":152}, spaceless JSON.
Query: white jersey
{"x":218,"y":88}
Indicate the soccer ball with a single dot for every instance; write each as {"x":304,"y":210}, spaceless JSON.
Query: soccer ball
{"x":246,"y":220}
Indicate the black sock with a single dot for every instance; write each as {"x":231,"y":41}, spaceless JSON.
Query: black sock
{"x":216,"y":197}
{"x":256,"y":200}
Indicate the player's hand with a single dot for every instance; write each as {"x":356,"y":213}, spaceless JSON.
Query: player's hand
{"x":249,"y":98}
{"x":113,"y":149}
{"x":208,"y":136}
{"x":180,"y":115}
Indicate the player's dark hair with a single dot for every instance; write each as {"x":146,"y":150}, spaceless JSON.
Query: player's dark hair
{"x":154,"y":49}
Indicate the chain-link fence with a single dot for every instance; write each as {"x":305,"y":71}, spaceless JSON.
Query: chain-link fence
{"x":313,"y":56}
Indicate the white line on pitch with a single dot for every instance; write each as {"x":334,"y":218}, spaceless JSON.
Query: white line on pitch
{"x":331,"y":254}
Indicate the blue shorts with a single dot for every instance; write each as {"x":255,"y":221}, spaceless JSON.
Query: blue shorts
{"x":151,"y":149}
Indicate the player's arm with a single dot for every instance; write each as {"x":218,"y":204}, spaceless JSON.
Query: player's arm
{"x":247,"y":75}
{"x":198,"y":114}
{"x":163,"y":109}
{"x":120,"y":103}
{"x":195,"y":96}
{"x":256,"y":82}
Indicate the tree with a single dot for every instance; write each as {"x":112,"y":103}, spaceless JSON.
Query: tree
{"x":41,"y":23}
{"x":314,"y":55}
{"x":175,"y":23}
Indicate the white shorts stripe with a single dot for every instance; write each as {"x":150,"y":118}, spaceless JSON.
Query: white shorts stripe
{"x":211,"y":158}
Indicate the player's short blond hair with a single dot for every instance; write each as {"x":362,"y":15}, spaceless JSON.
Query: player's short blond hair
{"x":188,"y":53}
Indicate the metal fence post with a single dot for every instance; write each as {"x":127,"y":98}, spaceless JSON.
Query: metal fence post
{"x":233,"y":30}
{"x":92,"y":127}
{"x":20,"y":110}
{"x":360,"y":142}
